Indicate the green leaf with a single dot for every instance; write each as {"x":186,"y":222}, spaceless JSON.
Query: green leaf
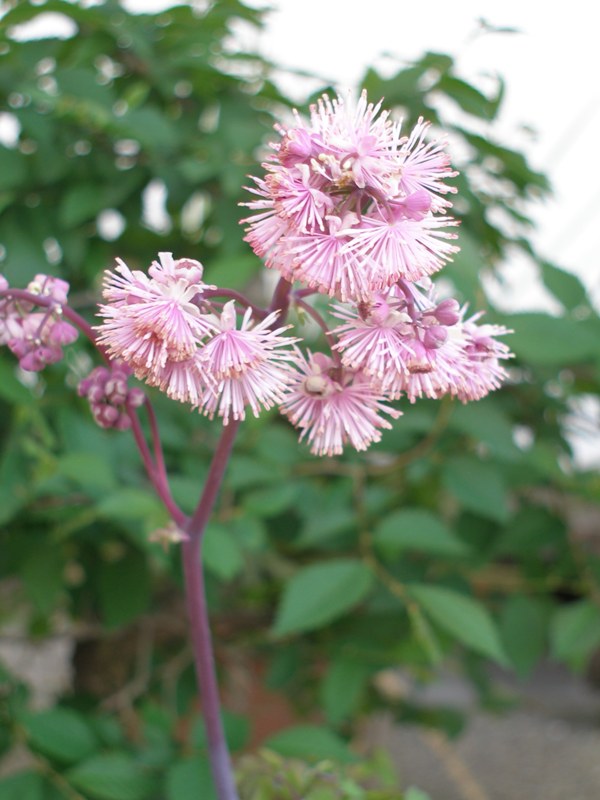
{"x":478,"y":485}
{"x":342,"y":689}
{"x":566,"y":287}
{"x":88,"y":470}
{"x":235,"y":271}
{"x":190,"y":780}
{"x":11,"y":388}
{"x":130,"y":504}
{"x":551,"y":341}
{"x":320,"y":593}
{"x":13,"y":169}
{"x":15,"y":487}
{"x":244,"y":472}
{"x":235,"y":726}
{"x":79,"y":204}
{"x":463,"y":617}
{"x":269,"y":502}
{"x":124,"y":588}
{"x":524,"y":625}
{"x":310,"y":742}
{"x":60,"y":733}
{"x":417,"y":529}
{"x":575,"y":632}
{"x":221,"y":552}
{"x":468,"y":97}
{"x":485,"y":422}
{"x":42,"y":574}
{"x":113,"y":776}
{"x":22,"y":786}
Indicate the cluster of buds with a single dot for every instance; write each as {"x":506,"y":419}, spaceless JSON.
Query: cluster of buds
{"x":349,"y":208}
{"x":110,"y":397}
{"x":36,"y":337}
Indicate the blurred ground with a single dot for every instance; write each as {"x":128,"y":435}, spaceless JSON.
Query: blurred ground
{"x":546,"y":748}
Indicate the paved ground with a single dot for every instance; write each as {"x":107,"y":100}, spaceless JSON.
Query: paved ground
{"x":547,"y":748}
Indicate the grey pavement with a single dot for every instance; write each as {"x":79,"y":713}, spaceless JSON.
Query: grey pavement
{"x":546,"y":747}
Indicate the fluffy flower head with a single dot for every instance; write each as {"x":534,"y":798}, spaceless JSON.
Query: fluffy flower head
{"x":349,"y":205}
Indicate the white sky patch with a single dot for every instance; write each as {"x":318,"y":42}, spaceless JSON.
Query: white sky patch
{"x":45,"y":26}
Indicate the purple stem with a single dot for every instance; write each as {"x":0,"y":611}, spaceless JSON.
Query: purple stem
{"x":312,"y":312}
{"x":257,"y":311}
{"x":199,"y":622}
{"x":159,"y":457}
{"x":281,"y":298}
{"x":158,"y":479}
{"x":49,"y":302}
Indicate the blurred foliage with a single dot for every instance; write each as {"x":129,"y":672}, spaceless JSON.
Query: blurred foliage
{"x":463,"y":537}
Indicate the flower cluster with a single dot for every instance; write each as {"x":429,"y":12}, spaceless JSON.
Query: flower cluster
{"x":350,"y":208}
{"x":36,"y":337}
{"x":354,"y":210}
{"x":110,"y":397}
{"x":173,"y":337}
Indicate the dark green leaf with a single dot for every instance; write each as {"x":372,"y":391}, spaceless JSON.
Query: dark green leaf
{"x":546,"y":340}
{"x":42,"y":574}
{"x":124,"y":588}
{"x":113,"y":776}
{"x":59,"y":733}
{"x":221,"y":552}
{"x":13,"y":168}
{"x":486,"y":422}
{"x":478,"y":485}
{"x":524,"y":624}
{"x":22,"y":786}
{"x":310,"y":742}
{"x":417,"y":529}
{"x":575,"y":632}
{"x":88,"y":470}
{"x":468,"y":97}
{"x":190,"y":780}
{"x":463,"y":617}
{"x":272,"y":501}
{"x":130,"y":504}
{"x":566,"y":287}
{"x":320,"y":593}
{"x":342,"y":689}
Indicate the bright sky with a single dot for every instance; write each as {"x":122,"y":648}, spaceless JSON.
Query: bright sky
{"x":552,"y":102}
{"x":549,"y":68}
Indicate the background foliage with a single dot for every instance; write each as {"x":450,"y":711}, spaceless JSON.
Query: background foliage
{"x":463,"y":536}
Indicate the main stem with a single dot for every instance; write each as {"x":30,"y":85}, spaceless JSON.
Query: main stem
{"x":199,"y":622}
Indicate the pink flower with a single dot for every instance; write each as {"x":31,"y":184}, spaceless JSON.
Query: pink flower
{"x":401,"y":339}
{"x":324,"y":261}
{"x":334,"y":406}
{"x":426,"y":165}
{"x":348,"y":205}
{"x":49,"y":286}
{"x":249,"y":365}
{"x":150,"y":320}
{"x":185,"y":381}
{"x":480,"y":370}
{"x":393,"y":246}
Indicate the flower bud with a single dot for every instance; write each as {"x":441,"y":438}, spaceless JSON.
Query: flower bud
{"x":447,"y":312}
{"x":62,"y":333}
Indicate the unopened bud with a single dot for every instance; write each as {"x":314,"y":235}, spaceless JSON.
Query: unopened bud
{"x":447,"y":312}
{"x":435,"y":336}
